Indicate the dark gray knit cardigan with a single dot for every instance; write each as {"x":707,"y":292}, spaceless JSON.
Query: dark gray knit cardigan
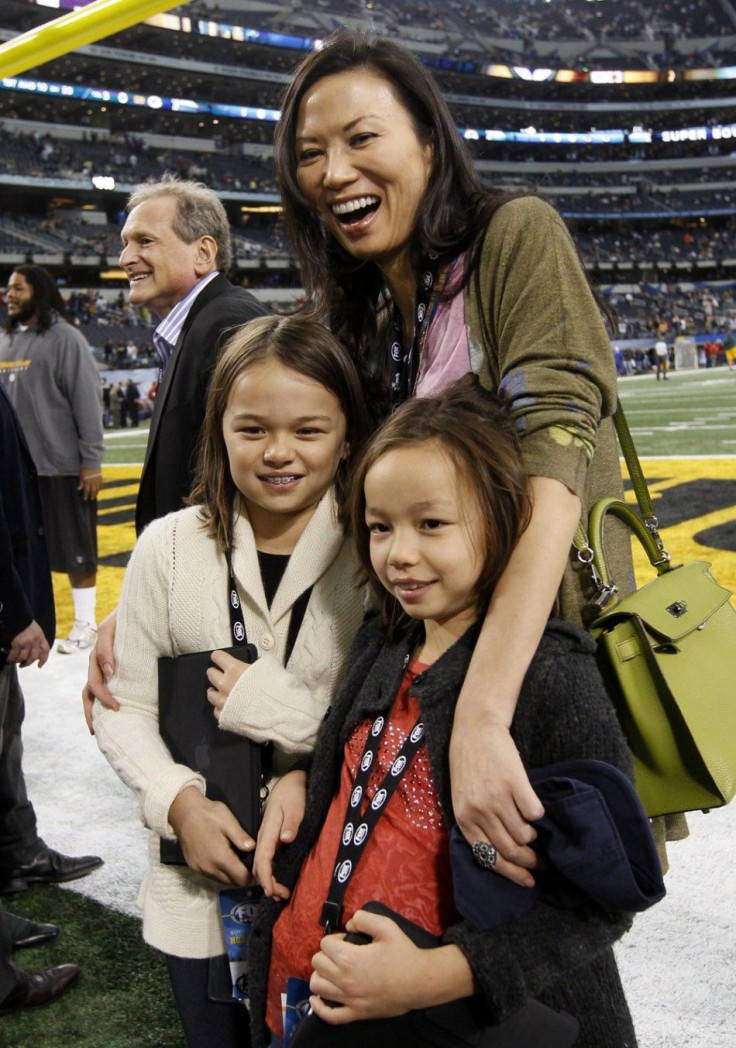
{"x":560,"y":957}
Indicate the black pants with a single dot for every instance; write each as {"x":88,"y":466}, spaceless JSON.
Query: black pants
{"x":19,"y":840}
{"x":206,"y":1023}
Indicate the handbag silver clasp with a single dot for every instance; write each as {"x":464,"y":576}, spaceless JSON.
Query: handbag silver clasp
{"x":652,"y":526}
{"x":606,"y":590}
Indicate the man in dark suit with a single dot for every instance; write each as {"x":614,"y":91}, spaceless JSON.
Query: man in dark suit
{"x":176,"y":250}
{"x":27,"y":627}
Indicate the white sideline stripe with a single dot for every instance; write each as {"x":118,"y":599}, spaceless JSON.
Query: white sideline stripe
{"x":122,"y":435}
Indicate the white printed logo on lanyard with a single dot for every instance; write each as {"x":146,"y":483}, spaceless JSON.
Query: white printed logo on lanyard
{"x":345,"y":870}
{"x":398,"y":765}
{"x":355,"y":797}
{"x":347,"y":834}
{"x":367,"y":760}
{"x":378,"y":800}
{"x":361,"y":833}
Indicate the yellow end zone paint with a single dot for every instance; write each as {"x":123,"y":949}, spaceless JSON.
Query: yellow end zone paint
{"x":679,"y":539}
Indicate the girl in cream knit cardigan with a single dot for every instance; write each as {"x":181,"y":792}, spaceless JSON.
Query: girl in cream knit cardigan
{"x":285,"y":414}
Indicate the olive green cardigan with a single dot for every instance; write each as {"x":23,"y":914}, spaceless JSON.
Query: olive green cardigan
{"x":536,"y":336}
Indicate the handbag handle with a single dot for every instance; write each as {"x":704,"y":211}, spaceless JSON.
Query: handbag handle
{"x":589,"y":545}
{"x":624,"y":512}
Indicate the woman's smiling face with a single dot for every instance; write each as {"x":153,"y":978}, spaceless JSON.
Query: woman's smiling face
{"x":361,"y":164}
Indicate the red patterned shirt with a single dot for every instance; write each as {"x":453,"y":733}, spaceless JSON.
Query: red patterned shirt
{"x":405,"y":864}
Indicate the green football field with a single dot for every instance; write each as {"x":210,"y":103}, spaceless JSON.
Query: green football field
{"x":692,"y":413}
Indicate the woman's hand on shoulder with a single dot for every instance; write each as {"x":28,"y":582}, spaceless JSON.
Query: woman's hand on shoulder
{"x":492,"y":797}
{"x":223,"y":675}
{"x":282,"y":818}
{"x":389,"y":976}
{"x":208,"y":832}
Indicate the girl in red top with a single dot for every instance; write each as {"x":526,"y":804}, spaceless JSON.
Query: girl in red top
{"x":438,"y":502}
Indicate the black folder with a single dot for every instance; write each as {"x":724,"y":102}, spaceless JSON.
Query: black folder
{"x":229,"y":763}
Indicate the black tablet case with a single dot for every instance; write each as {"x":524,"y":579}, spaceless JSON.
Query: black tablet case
{"x":230,"y":763}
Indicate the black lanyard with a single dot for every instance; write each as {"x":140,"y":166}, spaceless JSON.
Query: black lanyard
{"x":356,"y":828}
{"x":403,"y":366}
{"x":237,"y":623}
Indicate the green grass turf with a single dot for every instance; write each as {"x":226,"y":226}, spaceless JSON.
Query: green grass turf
{"x":126,"y":445}
{"x":692,"y":413}
{"x":123,"y":998}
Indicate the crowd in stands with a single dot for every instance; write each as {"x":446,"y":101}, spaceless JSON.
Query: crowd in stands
{"x":648,"y":312}
{"x":647,"y":246}
{"x":261,"y":238}
{"x":673,"y":23}
{"x":685,"y":32}
{"x":543,"y":19}
{"x":129,"y":159}
{"x":672,"y":201}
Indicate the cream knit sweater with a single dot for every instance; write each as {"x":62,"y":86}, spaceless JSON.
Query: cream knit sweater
{"x":173,"y":601}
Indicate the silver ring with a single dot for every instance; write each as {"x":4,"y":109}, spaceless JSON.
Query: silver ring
{"x":484,"y":854}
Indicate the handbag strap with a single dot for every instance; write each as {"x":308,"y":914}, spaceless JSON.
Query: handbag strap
{"x":633,"y":465}
{"x":589,"y":544}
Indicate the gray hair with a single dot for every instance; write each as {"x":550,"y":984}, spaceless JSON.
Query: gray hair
{"x":199,"y":212}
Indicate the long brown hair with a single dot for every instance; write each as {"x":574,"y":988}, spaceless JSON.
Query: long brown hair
{"x":474,"y":429}
{"x":302,"y":345}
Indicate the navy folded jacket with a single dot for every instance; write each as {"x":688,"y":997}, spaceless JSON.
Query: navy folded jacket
{"x":596,"y":842}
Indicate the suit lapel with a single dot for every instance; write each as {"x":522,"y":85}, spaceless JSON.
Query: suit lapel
{"x":214,"y":288}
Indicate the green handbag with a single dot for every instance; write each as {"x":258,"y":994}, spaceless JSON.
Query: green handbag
{"x":668,"y":656}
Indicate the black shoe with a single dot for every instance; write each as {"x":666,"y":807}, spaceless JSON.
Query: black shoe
{"x":40,"y":988}
{"x":46,"y":867}
{"x":24,"y":933}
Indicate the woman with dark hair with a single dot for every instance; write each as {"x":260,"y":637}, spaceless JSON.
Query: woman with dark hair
{"x":425,"y":276}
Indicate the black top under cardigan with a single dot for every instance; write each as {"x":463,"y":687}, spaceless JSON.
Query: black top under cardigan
{"x":560,"y":957}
